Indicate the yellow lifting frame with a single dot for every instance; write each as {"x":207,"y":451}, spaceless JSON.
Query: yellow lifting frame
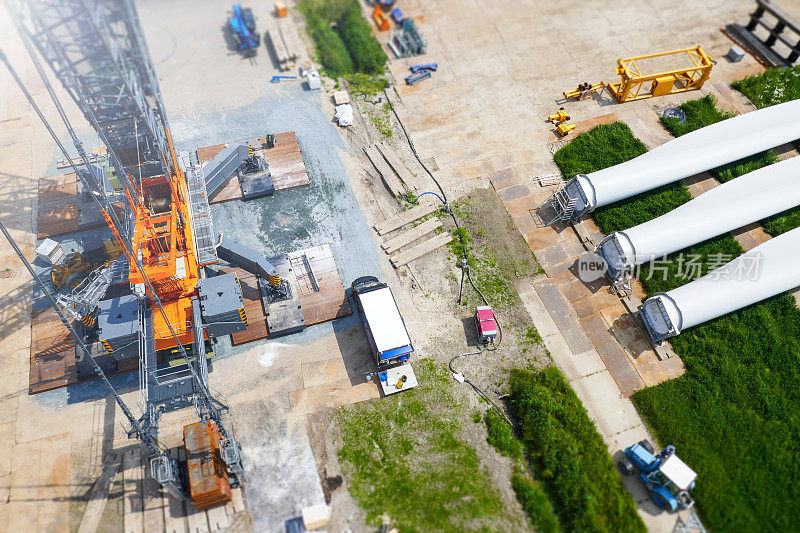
{"x":633,"y":82}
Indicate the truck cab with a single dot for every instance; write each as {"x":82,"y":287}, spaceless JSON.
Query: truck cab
{"x":386,"y":333}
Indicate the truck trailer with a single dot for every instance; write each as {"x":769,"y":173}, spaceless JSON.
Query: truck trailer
{"x":386,"y":332}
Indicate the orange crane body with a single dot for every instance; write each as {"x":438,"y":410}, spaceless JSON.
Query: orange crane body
{"x":163,"y":243}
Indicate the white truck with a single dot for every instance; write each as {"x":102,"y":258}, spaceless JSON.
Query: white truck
{"x":386,"y":332}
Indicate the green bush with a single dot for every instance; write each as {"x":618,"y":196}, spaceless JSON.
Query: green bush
{"x":331,"y":50}
{"x":640,"y":208}
{"x":774,"y":86}
{"x":501,"y":436}
{"x":782,"y":222}
{"x":743,"y":166}
{"x":535,"y":503}
{"x":699,"y":113}
{"x":365,"y":51}
{"x":601,"y":147}
{"x":575,"y":464}
{"x":530,"y":495}
{"x":663,"y":275}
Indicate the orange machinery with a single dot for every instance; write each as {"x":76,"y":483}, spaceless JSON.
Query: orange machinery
{"x":163,"y":242}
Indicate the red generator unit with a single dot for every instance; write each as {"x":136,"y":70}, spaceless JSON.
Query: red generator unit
{"x":485,"y":324}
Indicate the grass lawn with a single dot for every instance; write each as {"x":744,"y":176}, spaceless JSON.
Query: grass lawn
{"x":402,"y":457}
{"x":703,"y":112}
{"x":734,"y":415}
{"x":574,"y":462}
{"x":774,"y":86}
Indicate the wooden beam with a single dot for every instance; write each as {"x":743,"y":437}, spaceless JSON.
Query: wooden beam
{"x":405,"y":217}
{"x":411,"y":181}
{"x":421,"y":249}
{"x":385,"y":171}
{"x":99,"y":495}
{"x":133,"y":471}
{"x":407,"y":237}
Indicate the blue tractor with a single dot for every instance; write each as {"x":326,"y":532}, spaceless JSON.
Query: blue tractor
{"x":242,"y":26}
{"x":668,"y":479}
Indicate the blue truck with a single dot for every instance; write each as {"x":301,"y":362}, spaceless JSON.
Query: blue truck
{"x":386,"y":332}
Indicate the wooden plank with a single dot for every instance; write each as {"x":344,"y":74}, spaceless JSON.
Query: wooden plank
{"x":411,"y":181}
{"x":238,"y":499}
{"x":99,"y":495}
{"x":218,"y":519}
{"x":385,"y":171}
{"x":132,"y":473}
{"x":421,"y":249}
{"x":174,"y":514}
{"x":407,"y":237}
{"x":405,"y":217}
{"x":153,"y":504}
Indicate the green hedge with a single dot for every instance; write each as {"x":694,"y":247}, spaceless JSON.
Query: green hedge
{"x":331,"y":50}
{"x":352,"y":47}
{"x":774,"y":86}
{"x":529,"y":493}
{"x":703,"y":112}
{"x":535,"y":503}
{"x":575,"y":464}
{"x":365,"y":51}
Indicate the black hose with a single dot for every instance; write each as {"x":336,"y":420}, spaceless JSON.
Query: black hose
{"x":464,"y":256}
{"x":477,"y":389}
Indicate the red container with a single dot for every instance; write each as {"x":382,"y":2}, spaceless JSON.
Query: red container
{"x":485,"y":323}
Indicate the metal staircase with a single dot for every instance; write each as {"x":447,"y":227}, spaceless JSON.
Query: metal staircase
{"x":562,"y":205}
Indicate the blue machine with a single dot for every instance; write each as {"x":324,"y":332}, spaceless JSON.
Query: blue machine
{"x":668,"y":479}
{"x":242,"y":25}
{"x":428,"y":66}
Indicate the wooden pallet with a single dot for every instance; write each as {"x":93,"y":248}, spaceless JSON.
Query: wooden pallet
{"x":330,"y":301}
{"x":321,"y":300}
{"x":286,"y":165}
{"x":53,"y":363}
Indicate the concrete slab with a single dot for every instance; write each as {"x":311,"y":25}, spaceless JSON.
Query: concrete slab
{"x":562,"y":315}
{"x":610,"y":414}
{"x":323,"y":372}
{"x":320,"y":397}
{"x":54,"y":483}
{"x":615,"y":358}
